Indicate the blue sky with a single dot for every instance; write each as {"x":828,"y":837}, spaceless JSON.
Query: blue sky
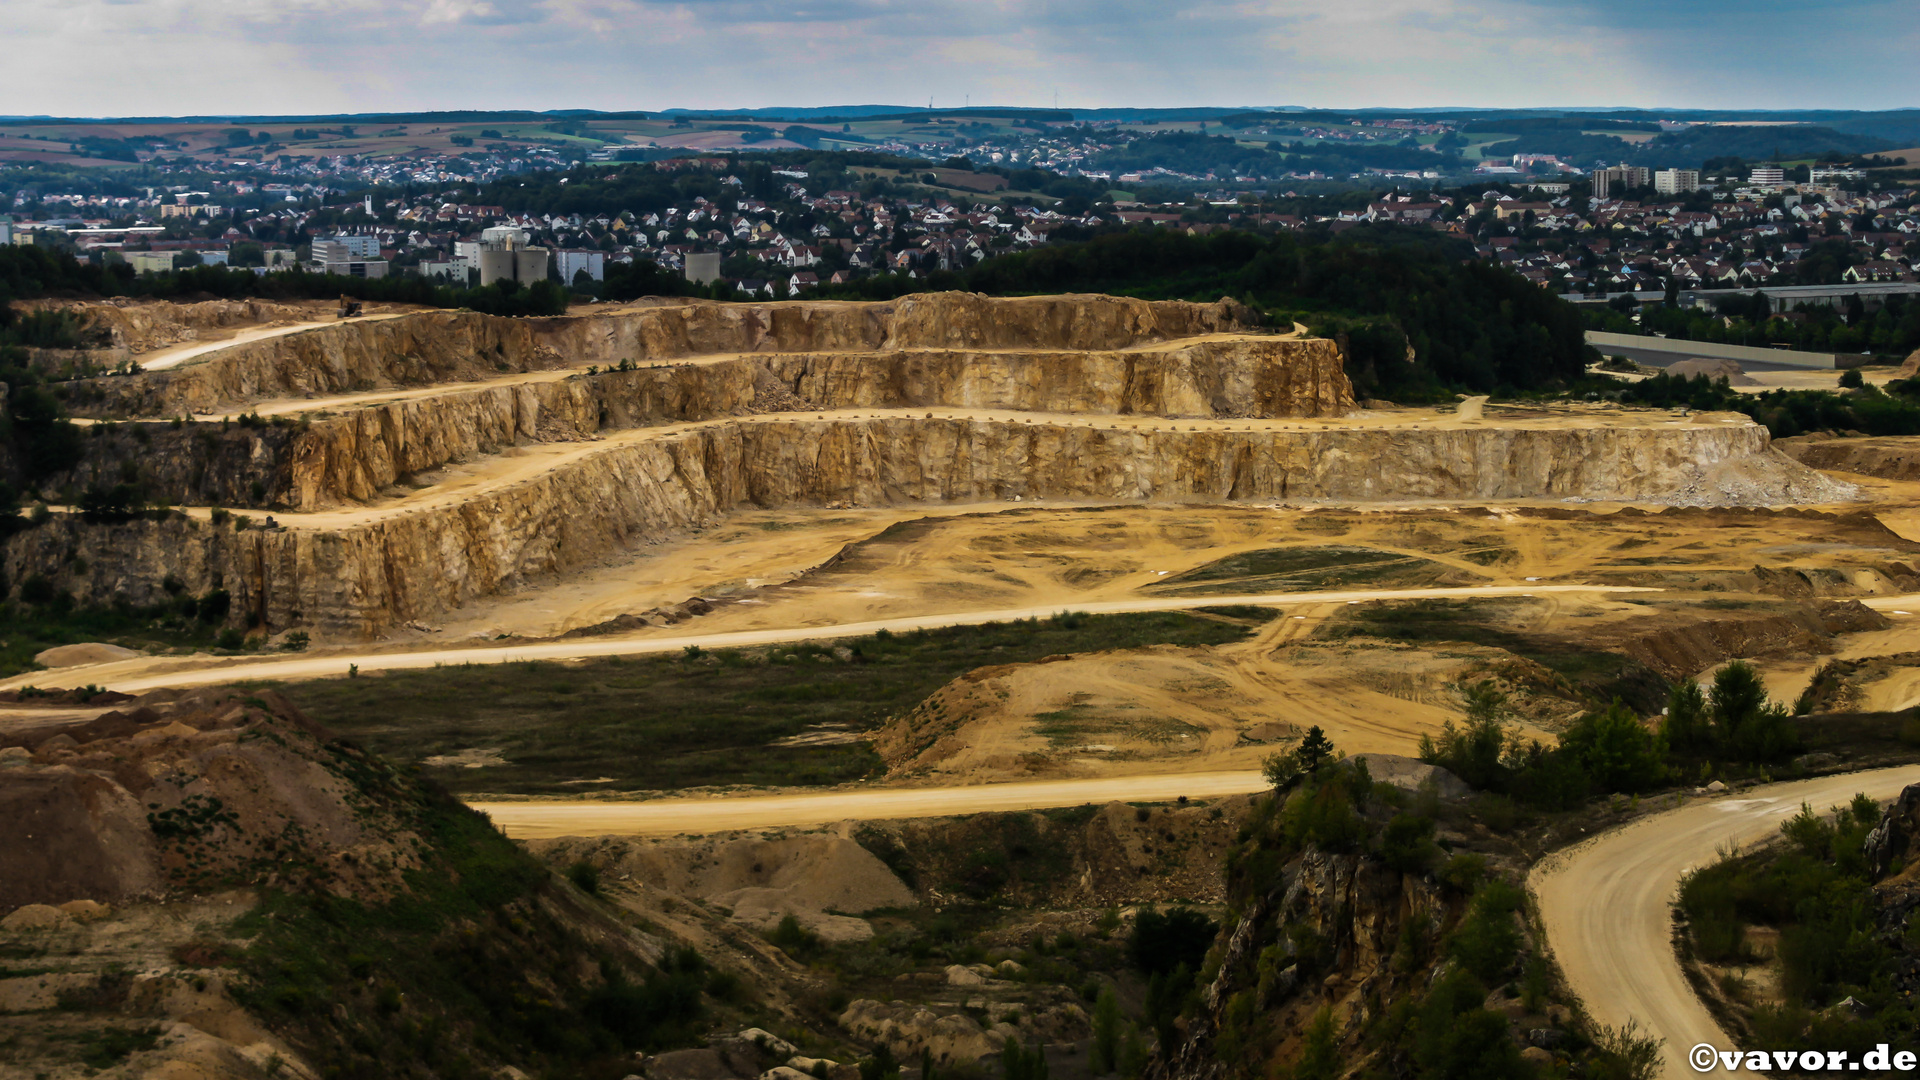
{"x":148,"y":57}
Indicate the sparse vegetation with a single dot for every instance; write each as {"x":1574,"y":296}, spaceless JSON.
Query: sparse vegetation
{"x":647,"y":722}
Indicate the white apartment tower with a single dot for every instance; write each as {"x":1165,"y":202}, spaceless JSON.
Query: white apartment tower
{"x":1676,"y":181}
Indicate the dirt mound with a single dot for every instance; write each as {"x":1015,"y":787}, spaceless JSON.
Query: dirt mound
{"x":1890,"y":457}
{"x":1910,"y":369}
{"x":1729,"y":370}
{"x":92,"y":652}
{"x":759,"y":879}
{"x":1767,"y":479}
{"x":1683,"y":651}
{"x":208,"y":789}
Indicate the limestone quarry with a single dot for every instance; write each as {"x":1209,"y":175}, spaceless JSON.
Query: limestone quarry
{"x":417,"y":464}
{"x":913,"y":651}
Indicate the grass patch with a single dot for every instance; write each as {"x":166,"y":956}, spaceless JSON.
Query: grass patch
{"x":660,"y":722}
{"x":1600,"y":675}
{"x":1300,"y":569}
{"x":29,"y":629}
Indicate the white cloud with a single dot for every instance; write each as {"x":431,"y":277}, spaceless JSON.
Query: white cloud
{"x":146,"y":57}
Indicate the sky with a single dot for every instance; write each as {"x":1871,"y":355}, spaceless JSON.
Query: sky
{"x":281,"y":57}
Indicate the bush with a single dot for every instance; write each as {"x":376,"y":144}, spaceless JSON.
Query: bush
{"x":794,"y":939}
{"x":1616,"y":751}
{"x":1746,"y":725}
{"x":1455,"y":1039}
{"x":1406,"y":844}
{"x":36,"y":589}
{"x":1488,"y":939}
{"x":1162,"y":942}
{"x":585,"y":876}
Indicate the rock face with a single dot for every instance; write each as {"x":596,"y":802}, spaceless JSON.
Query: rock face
{"x":431,"y":347}
{"x":611,"y":459}
{"x":137,"y":326}
{"x":363,"y":578}
{"x":1354,"y":912}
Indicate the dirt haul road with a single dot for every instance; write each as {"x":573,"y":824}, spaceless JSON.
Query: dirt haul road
{"x":1606,"y":905}
{"x":175,"y":355}
{"x":670,"y":817}
{"x":134,"y":676}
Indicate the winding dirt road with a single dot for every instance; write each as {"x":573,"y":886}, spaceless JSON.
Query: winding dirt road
{"x":148,"y":673}
{"x":534,"y":820}
{"x":1607,"y":903}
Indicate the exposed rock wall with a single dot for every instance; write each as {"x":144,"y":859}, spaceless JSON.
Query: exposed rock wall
{"x":139,"y":326}
{"x":1890,"y":457}
{"x":1254,"y":377}
{"x":429,"y":347}
{"x":416,"y":350}
{"x":363,"y":579}
{"x":326,"y":461}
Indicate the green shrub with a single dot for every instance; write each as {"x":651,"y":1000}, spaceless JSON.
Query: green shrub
{"x":1488,"y":938}
{"x":1164,"y":941}
{"x":585,"y":876}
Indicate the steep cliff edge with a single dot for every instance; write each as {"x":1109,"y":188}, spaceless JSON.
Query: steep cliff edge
{"x":364,"y":573}
{"x":1375,"y":931}
{"x":430,"y":347}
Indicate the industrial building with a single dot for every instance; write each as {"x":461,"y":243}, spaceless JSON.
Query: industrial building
{"x":333,"y":257}
{"x":359,"y":248}
{"x":505,"y":255}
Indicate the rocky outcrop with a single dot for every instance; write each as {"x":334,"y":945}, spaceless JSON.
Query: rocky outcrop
{"x":1320,"y":931}
{"x":137,"y":326}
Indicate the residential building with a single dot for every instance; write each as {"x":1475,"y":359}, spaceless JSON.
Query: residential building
{"x":1676,"y":181}
{"x":702,"y":267}
{"x":454,"y":270}
{"x":1606,"y":181}
{"x":570,"y":264}
{"x":149,"y":262}
{"x":1767,"y":176}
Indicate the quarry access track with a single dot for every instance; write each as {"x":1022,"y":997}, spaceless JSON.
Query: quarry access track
{"x":535,"y":819}
{"x":1607,"y":904}
{"x":135,"y":676}
{"x":173,"y":356}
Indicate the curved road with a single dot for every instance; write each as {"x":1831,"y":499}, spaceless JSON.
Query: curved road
{"x":1606,"y":905}
{"x":133,"y":676}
